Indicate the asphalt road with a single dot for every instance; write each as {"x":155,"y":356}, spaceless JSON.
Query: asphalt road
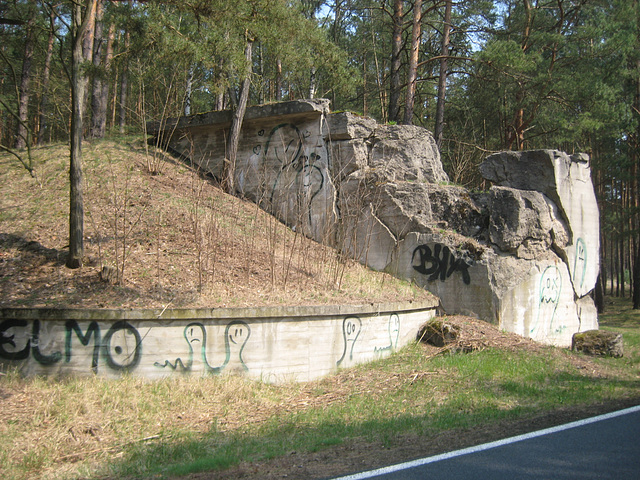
{"x":598,"y":448}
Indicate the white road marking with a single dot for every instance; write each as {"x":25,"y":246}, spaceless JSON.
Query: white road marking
{"x":486,"y":446}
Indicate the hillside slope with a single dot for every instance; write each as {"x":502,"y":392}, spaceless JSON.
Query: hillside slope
{"x":167,"y":236}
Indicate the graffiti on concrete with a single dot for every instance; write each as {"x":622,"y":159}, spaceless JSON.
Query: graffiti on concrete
{"x":297,"y":173}
{"x":580,"y":262}
{"x":203,"y":346}
{"x":549,"y":290}
{"x":394,"y":334}
{"x":236,"y":335}
{"x":351,"y":327}
{"x":121,"y":346}
{"x":439,"y":263}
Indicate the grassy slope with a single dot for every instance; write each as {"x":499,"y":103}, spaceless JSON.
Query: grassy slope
{"x":174,"y":239}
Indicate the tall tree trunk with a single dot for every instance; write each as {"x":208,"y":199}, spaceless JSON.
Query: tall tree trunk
{"x":412,"y":75}
{"x":278,"y":79}
{"x":122,"y":115}
{"x":599,"y":295}
{"x":312,"y":83}
{"x":22,"y":132}
{"x":442,"y":80}
{"x":612,"y":264}
{"x":96,"y":77}
{"x":188,"y":91}
{"x":635,"y":194}
{"x":312,"y":74}
{"x":396,"y":63}
{"x":636,"y":275}
{"x":100,"y":93}
{"x":623,"y":235}
{"x":87,"y":54}
{"x":229,"y":171}
{"x":381,"y":91}
{"x":46,"y":73}
{"x":261,"y":93}
{"x":103,"y":104}
{"x":79,"y":25}
{"x":365,"y":107}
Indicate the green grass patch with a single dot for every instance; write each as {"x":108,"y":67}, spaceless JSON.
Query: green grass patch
{"x":619,"y":316}
{"x":467,"y":391}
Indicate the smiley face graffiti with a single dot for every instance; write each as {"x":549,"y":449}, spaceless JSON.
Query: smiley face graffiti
{"x":236,"y":335}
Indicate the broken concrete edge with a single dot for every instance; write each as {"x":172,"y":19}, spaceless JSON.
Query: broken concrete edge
{"x":281,"y":109}
{"x":306,"y":312}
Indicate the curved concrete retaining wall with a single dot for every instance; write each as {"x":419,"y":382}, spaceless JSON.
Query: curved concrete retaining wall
{"x":273,"y":344}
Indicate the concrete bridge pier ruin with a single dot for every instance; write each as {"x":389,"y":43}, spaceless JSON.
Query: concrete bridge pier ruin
{"x":523,"y":255}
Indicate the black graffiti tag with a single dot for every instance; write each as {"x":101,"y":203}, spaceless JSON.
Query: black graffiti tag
{"x":32,"y":345}
{"x":92,"y":331}
{"x":121,"y":345}
{"x":118,"y":353}
{"x":439,"y":263}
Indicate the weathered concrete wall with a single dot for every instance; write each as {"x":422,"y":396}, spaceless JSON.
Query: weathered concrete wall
{"x":273,"y":344}
{"x":523,"y":255}
{"x":282,"y":162}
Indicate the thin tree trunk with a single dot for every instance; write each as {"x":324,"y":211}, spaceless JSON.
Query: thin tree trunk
{"x":46,"y":73}
{"x":188,"y":91}
{"x":620,"y":259}
{"x":412,"y":76}
{"x":79,"y":25}
{"x":278,"y":80}
{"x":312,"y":83}
{"x":365,"y":107}
{"x":396,"y":49}
{"x":442,"y":80}
{"x":599,"y":295}
{"x":381,"y":94}
{"x":113,"y":103}
{"x":635,"y":194}
{"x":100,"y":93}
{"x":96,"y":58}
{"x":623,"y":227}
{"x":612,"y":265}
{"x":22,"y":132}
{"x":261,"y":93}
{"x":229,"y":171}
{"x":122,"y":116}
{"x":87,"y":54}
{"x":636,"y":275}
{"x":103,"y":105}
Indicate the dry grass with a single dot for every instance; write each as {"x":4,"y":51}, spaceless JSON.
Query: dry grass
{"x":171,"y":239}
{"x":56,"y":426}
